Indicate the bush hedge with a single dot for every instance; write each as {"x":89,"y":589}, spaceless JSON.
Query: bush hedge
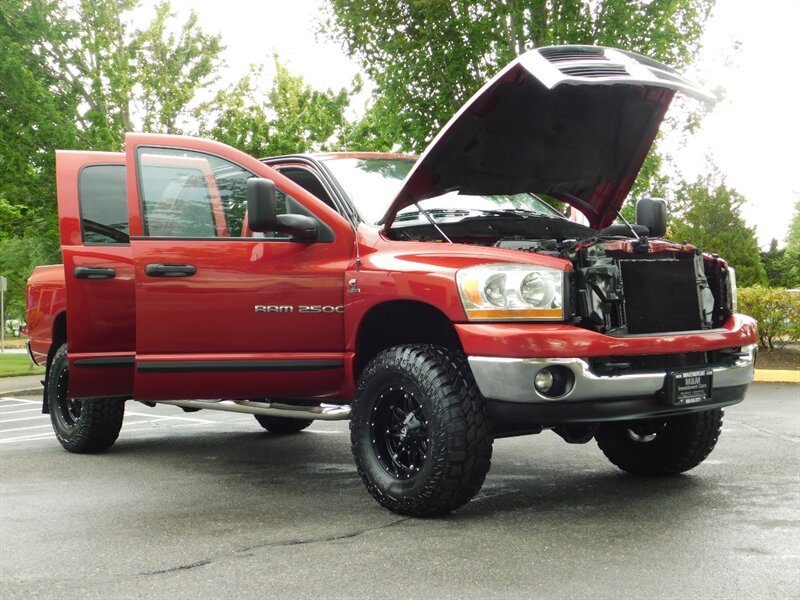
{"x":777,"y":311}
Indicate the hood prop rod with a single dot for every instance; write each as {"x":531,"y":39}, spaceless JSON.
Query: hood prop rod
{"x":624,"y":220}
{"x":432,"y":222}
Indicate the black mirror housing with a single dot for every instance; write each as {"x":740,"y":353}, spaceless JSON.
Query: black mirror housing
{"x":652,"y":213}
{"x":300,"y":227}
{"x":261,"y":204}
{"x":262,"y":213}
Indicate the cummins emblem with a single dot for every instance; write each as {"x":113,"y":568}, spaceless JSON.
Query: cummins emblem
{"x":302,"y":309}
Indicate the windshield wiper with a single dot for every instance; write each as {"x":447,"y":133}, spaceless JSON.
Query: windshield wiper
{"x":517,"y":212}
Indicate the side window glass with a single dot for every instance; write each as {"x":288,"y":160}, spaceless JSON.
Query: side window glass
{"x":103,"y":204}
{"x":190,"y":194}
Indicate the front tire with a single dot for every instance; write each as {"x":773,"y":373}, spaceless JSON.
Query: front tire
{"x":81,"y":426}
{"x":419,"y":430}
{"x":665,"y":446}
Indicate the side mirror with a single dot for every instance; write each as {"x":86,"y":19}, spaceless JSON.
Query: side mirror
{"x":261,"y":206}
{"x":300,"y":227}
{"x":652,"y":213}
{"x":262,"y":213}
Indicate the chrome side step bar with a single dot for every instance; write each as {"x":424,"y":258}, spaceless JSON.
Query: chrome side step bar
{"x":325,"y":412}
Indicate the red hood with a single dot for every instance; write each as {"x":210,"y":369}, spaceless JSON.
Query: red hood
{"x":572,"y":122}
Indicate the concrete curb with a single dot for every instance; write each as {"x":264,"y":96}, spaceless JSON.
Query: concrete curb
{"x":776,"y":376}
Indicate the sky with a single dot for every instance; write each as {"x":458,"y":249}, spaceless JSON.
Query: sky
{"x":752,"y":135}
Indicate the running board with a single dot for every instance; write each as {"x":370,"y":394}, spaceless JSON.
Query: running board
{"x":325,"y":412}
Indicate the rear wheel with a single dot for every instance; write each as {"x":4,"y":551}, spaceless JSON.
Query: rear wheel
{"x":663,"y":446}
{"x":81,"y":426}
{"x":419,"y":430}
{"x":282,"y":424}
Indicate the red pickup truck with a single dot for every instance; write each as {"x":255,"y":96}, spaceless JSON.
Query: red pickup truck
{"x":437,"y":302}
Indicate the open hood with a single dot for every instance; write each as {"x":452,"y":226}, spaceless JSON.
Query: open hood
{"x":572,"y":122}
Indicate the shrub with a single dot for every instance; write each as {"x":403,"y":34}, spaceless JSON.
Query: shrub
{"x":777,"y":312}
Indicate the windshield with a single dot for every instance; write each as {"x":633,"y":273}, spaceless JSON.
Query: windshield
{"x":372,"y":184}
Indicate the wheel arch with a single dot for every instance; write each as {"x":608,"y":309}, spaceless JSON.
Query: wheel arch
{"x":397,"y":322}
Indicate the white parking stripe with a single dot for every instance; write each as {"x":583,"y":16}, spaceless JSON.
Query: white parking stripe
{"x":160,"y":418}
{"x":5,"y":401}
{"x":3,"y":413}
{"x":28,"y":438}
{"x":175,"y":426}
{"x":25,"y":428}
{"x":21,"y":419}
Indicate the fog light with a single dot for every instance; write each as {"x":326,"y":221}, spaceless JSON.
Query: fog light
{"x":543,"y":381}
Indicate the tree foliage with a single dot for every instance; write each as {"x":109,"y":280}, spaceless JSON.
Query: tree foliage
{"x":290,"y":117}
{"x":427,"y":57}
{"x":75,"y":75}
{"x":707,"y":214}
{"x":777,"y":312}
{"x":783,"y":270}
{"x":792,"y":251}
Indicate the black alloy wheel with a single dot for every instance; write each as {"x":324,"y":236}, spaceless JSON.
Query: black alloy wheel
{"x":400,"y":431}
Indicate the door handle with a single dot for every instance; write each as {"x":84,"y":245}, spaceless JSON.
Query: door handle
{"x":94,"y":273}
{"x":159,"y":270}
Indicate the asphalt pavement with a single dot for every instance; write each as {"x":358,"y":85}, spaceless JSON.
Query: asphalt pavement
{"x":206,"y":504}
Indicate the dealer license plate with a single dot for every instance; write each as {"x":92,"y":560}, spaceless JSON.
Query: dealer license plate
{"x":689,"y":387}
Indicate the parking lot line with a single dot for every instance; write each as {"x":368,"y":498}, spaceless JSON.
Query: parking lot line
{"x":28,"y":438}
{"x":21,"y":419}
{"x":19,"y":410}
{"x":18,"y":402}
{"x":25,"y":428}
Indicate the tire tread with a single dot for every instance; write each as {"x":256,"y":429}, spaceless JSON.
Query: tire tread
{"x":459,"y":473}
{"x":688,"y":440}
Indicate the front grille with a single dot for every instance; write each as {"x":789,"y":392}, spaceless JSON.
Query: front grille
{"x":660,"y":295}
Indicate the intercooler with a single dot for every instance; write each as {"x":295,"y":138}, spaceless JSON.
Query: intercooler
{"x":661,"y":295}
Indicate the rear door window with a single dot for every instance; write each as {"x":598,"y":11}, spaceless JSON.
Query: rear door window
{"x":103,"y":204}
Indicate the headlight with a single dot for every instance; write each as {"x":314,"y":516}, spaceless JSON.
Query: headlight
{"x":507,"y":291}
{"x":732,"y":293}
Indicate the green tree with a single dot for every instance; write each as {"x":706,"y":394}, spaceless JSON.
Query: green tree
{"x":707,"y":214}
{"x":290,"y":117}
{"x":792,"y":253}
{"x":74,"y":75}
{"x":779,"y":267}
{"x":427,"y":57}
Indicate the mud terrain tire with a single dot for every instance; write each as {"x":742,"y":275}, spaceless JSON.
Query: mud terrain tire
{"x":81,"y":426}
{"x":664,"y":446}
{"x":419,"y":430}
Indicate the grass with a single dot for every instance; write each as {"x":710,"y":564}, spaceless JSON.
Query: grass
{"x":17,"y":364}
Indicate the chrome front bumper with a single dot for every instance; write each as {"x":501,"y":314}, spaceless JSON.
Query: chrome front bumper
{"x":511,"y":379}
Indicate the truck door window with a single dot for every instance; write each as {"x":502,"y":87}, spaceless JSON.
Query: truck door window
{"x":189,"y":194}
{"x":103,"y":205}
